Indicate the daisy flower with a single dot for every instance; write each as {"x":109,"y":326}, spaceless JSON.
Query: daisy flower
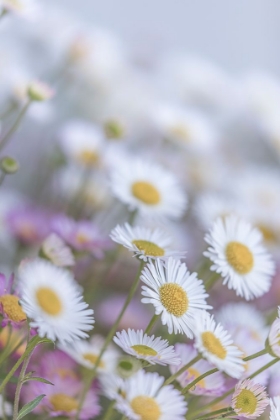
{"x":6,"y":408}
{"x":153,"y":350}
{"x":148,"y":188}
{"x":216,"y":346}
{"x":52,"y":299}
{"x":55,"y":250}
{"x":212,"y":385}
{"x":145,"y":398}
{"x":237,"y":254}
{"x":274,"y":408}
{"x":86,"y":353}
{"x":175,"y":293}
{"x":128,"y":366}
{"x":145,"y":243}
{"x":249,"y":399}
{"x":112,"y":385}
{"x":274,"y":338}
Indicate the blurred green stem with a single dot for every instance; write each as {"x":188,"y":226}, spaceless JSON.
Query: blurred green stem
{"x":152,"y":323}
{"x":15,"y":125}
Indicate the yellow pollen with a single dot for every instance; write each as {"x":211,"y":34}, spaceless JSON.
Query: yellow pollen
{"x":88,"y":157}
{"x":146,"y":407}
{"x":90,"y":357}
{"x":82,"y":239}
{"x":174,"y":299}
{"x":213,"y":345}
{"x":12,"y":308}
{"x":49,"y":301}
{"x":62,"y":402}
{"x":144,"y":350}
{"x":146,"y":192}
{"x":194,"y":374}
{"x":239,"y":257}
{"x":246,"y":402}
{"x":149,"y":248}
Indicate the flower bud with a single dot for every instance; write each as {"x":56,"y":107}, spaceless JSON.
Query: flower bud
{"x":9,"y":165}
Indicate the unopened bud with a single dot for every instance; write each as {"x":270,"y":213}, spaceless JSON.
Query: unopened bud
{"x":9,"y":165}
{"x":39,"y":91}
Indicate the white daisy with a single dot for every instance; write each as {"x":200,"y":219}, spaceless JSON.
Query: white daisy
{"x":112,"y":386}
{"x":274,"y":338}
{"x":146,"y":399}
{"x":52,"y":299}
{"x":54,"y":249}
{"x":249,"y":399}
{"x":274,"y":408}
{"x":216,"y":345}
{"x":175,"y":293}
{"x":82,"y":142}
{"x":5,"y":408}
{"x":212,"y":385}
{"x":144,"y":242}
{"x":86,"y":353}
{"x":237,"y":254}
{"x":140,"y":345}
{"x":148,"y":188}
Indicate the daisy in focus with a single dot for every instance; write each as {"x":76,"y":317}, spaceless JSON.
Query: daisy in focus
{"x":249,"y":399}
{"x":216,"y":346}
{"x":237,"y":254}
{"x":145,"y":399}
{"x":145,"y":243}
{"x":177,"y":295}
{"x":52,"y":299}
{"x":212,"y":385}
{"x":148,"y":188}
{"x":153,"y":350}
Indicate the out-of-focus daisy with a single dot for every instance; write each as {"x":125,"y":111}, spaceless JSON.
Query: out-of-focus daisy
{"x":86,"y":353}
{"x":148,"y":188}
{"x":146,"y":399}
{"x":274,"y":337}
{"x":128,"y":366}
{"x":175,"y":293}
{"x":20,"y":7}
{"x":188,"y":128}
{"x":10,"y":308}
{"x":112,"y":385}
{"x":249,"y":399}
{"x":145,"y":243}
{"x":82,"y":143}
{"x":237,"y":254}
{"x":52,"y":299}
{"x":6,"y":409}
{"x":62,"y":399}
{"x":274,"y":408}
{"x":54,"y":249}
{"x":153,"y":349}
{"x":216,"y":345}
{"x":212,"y":385}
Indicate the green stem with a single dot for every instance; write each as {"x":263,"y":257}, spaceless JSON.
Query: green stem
{"x":8,"y":351}
{"x":3,"y":13}
{"x":221,"y":411}
{"x":108,"y":413}
{"x":152,"y":323}
{"x":211,"y":281}
{"x":193,"y":383}
{"x":182,"y":370}
{"x":230,"y":391}
{"x":255,"y":355}
{"x":14,"y":127}
{"x":108,"y":339}
{"x":2,"y":177}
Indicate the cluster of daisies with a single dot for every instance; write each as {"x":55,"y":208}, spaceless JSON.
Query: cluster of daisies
{"x":140,"y":244}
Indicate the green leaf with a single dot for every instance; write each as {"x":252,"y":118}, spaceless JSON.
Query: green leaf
{"x":38,"y":379}
{"x":27,"y":408}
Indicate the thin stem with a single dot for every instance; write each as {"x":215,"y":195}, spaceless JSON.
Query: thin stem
{"x":255,"y":355}
{"x":14,"y":127}
{"x":182,"y":370}
{"x":2,"y":177}
{"x":267,"y":366}
{"x":108,"y":413}
{"x":8,"y":351}
{"x":193,"y":383}
{"x":211,"y":281}
{"x":20,"y":380}
{"x":109,"y":337}
{"x":220,"y":411}
{"x":152,"y":323}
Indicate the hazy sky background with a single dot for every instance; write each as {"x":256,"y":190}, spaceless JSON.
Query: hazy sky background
{"x":237,"y":34}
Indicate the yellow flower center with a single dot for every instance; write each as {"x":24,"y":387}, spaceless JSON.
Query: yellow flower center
{"x":213,"y":345}
{"x":81,"y":238}
{"x":49,"y":301}
{"x":149,"y":248}
{"x":144,"y":350}
{"x":90,"y":357}
{"x":146,"y":192}
{"x":239,"y":257}
{"x":174,"y":299}
{"x":62,"y":402}
{"x":146,"y":407}
{"x":12,"y":308}
{"x":88,"y":157}
{"x":194,"y":374}
{"x":246,"y":402}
